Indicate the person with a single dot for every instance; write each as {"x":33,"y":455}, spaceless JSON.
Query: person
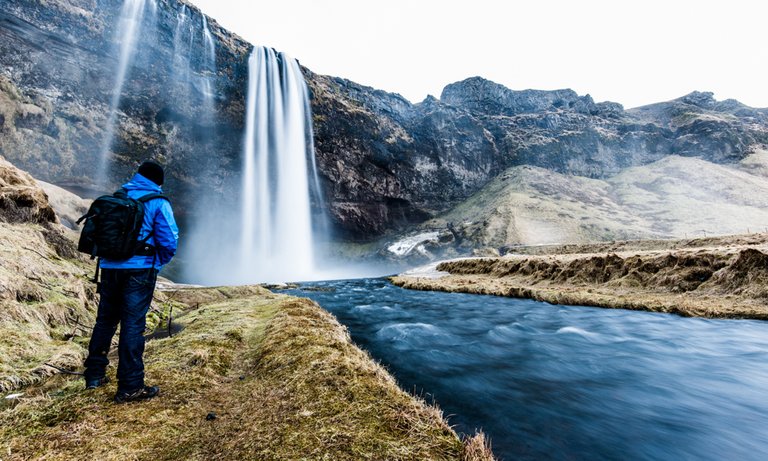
{"x":126,"y":291}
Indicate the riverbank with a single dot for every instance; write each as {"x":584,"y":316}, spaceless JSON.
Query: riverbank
{"x":717,"y":277}
{"x":251,"y":375}
{"x":247,"y":374}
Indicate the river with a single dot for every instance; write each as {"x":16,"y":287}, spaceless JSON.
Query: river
{"x":563,"y":382}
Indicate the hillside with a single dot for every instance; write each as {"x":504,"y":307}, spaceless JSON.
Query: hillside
{"x":397,"y":163}
{"x":45,"y":296}
{"x":675,"y":197}
{"x":251,"y":375}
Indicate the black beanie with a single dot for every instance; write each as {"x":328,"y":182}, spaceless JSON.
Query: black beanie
{"x":153,"y":172}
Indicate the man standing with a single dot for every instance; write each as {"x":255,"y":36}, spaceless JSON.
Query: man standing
{"x":126,"y":292}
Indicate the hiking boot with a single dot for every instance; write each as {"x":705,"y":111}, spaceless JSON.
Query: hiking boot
{"x":145,"y":393}
{"x":94,"y":383}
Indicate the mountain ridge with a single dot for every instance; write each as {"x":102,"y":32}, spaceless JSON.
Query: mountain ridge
{"x":385,"y":164}
{"x":445,"y":152}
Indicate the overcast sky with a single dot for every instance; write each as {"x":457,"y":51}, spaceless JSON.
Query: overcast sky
{"x":628,"y":51}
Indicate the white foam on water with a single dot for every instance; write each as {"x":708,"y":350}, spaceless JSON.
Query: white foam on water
{"x":407,"y":245}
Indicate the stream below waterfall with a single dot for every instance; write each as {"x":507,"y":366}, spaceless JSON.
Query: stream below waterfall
{"x":563,"y":382}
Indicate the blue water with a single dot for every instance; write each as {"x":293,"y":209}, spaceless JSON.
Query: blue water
{"x":568,"y":383}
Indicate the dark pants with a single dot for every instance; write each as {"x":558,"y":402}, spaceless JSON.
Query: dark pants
{"x":126,"y":295}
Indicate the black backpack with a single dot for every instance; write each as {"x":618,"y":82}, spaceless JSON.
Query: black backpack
{"x":112,"y":227}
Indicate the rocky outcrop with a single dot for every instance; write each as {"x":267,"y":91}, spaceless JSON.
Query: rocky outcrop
{"x":384,"y":163}
{"x":482,"y":96}
{"x":68,"y":206}
{"x":387,"y":163}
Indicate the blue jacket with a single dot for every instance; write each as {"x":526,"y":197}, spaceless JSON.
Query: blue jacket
{"x":158,"y":217}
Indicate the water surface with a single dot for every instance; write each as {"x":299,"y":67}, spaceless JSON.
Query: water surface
{"x":563,"y":382}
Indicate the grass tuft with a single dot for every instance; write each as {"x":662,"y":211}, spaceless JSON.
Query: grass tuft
{"x":477,"y":448}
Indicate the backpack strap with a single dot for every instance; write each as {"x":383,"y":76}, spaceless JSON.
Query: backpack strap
{"x":96,"y":276}
{"x":149,"y":250}
{"x":123,"y":193}
{"x":88,"y":215}
{"x":148,"y":197}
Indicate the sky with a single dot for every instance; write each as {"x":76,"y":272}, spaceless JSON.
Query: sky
{"x":627,"y":51}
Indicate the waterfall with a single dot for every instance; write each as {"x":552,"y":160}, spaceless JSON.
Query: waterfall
{"x":126,"y":35}
{"x":262,"y":231}
{"x":210,"y":47}
{"x":181,"y":48}
{"x":194,"y":69}
{"x":276,"y":239}
{"x":208,"y":73}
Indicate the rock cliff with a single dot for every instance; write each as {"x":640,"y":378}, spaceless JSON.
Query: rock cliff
{"x":392,"y":163}
{"x":385,"y":163}
{"x":57,"y":73}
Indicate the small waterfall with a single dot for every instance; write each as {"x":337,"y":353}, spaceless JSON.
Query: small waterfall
{"x":276,"y":241}
{"x":208,"y":74}
{"x":182,"y":35}
{"x":126,"y":35}
{"x":210,"y":47}
{"x":194,"y":69}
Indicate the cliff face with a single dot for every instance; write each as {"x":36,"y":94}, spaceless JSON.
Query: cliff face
{"x":436,"y":153}
{"x":58,"y":65}
{"x":385,"y":164}
{"x":388,"y":163}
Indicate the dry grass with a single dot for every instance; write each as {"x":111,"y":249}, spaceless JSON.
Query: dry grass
{"x":674,"y":197}
{"x":21,"y":199}
{"x":477,"y":448}
{"x":46,"y":305}
{"x":282,"y":377}
{"x":279,"y":374}
{"x":46,"y":302}
{"x":729,"y":281}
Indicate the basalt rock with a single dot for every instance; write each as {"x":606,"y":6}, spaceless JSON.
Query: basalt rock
{"x":394,"y":162}
{"x":387,"y":163}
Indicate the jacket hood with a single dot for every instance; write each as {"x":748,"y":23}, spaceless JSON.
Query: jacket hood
{"x":139,"y":182}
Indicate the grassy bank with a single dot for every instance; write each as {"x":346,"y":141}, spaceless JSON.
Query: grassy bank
{"x":46,"y":301}
{"x":250,"y":374}
{"x":280,"y":374}
{"x":46,"y":304}
{"x":724,"y":277}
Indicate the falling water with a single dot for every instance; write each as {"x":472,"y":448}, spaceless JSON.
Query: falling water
{"x":194,"y":69}
{"x":208,"y":71}
{"x":276,"y":234}
{"x":181,"y":49}
{"x":127,"y":33}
